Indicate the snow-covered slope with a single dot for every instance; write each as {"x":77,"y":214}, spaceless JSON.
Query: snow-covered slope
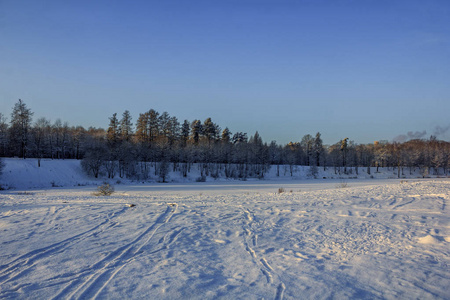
{"x":390,"y":240}
{"x":25,"y":174}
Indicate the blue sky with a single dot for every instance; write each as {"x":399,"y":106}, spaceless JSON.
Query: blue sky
{"x":367,"y":70}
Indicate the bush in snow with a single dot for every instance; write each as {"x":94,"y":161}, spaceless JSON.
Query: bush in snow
{"x":342,"y":185}
{"x":201,"y":179}
{"x":104,"y":190}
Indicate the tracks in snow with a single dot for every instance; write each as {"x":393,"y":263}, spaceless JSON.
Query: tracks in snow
{"x":250,"y":241}
{"x":22,"y":265}
{"x":104,"y":270}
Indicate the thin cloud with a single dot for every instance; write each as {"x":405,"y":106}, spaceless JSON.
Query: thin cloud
{"x":410,"y":136}
{"x":439,"y":131}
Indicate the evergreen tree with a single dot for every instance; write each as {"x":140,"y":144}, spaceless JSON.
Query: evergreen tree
{"x":226,"y":136}
{"x":185,"y":131}
{"x":126,"y":127}
{"x":142,"y":126}
{"x":173,"y":130}
{"x":112,"y":134}
{"x":318,"y":149}
{"x":209,"y":130}
{"x":196,"y":131}
{"x":344,"y":150}
{"x":164,"y":125}
{"x":21,"y":119}
{"x":154,"y":122}
{"x":239,"y":137}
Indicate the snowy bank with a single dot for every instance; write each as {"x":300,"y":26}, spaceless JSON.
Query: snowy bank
{"x":25,"y":174}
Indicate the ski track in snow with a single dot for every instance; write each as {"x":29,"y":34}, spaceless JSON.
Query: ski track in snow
{"x":17,"y":268}
{"x":373,"y":242}
{"x":265,"y":267}
{"x":107,"y":268}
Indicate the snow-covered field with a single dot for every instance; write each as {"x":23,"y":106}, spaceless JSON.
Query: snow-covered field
{"x":378,"y":239}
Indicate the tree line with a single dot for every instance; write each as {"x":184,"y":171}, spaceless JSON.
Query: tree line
{"x":158,"y":142}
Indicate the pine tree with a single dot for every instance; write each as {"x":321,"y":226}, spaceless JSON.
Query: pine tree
{"x":173,"y":130}
{"x":185,"y":131}
{"x":239,"y":137}
{"x":153,"y":124}
{"x":196,"y":131}
{"x":21,"y":119}
{"x":318,"y":149}
{"x":164,"y":125}
{"x":142,"y":128}
{"x":226,"y":136}
{"x":209,"y":130}
{"x":126,"y":127}
{"x":344,"y":150}
{"x":112,"y":134}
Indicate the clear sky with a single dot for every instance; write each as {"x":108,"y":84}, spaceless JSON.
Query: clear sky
{"x":365,"y":69}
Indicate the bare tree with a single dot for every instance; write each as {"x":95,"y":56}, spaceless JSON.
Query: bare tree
{"x":40,"y":133}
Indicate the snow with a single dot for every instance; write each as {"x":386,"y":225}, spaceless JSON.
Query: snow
{"x":377,"y":239}
{"x":24,"y":174}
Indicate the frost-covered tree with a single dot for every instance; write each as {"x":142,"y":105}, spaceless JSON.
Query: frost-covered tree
{"x":41,"y":131}
{"x":60,"y":136}
{"x":334,"y":155}
{"x":78,"y":135}
{"x":21,"y":118}
{"x":307,"y":144}
{"x":258,"y":155}
{"x":163,"y":166}
{"x":292,"y":155}
{"x":65,"y":137}
{"x":94,"y":156}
